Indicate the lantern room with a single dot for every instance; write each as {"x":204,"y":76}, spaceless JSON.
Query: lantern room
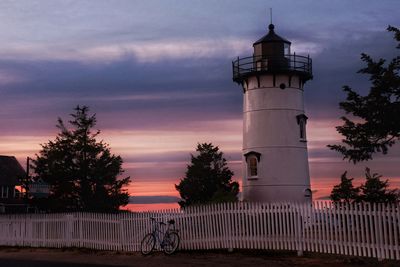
{"x":272,"y":55}
{"x":271,"y":45}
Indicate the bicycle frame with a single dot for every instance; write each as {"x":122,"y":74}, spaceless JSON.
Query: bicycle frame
{"x":158,"y":233}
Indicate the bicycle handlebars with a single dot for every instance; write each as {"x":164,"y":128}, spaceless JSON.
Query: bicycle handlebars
{"x":162,"y":223}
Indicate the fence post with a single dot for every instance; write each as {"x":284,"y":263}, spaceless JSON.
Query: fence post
{"x":70,"y":221}
{"x":80,"y":225}
{"x":298,"y":221}
{"x":121,"y":218}
{"x":42,"y":241}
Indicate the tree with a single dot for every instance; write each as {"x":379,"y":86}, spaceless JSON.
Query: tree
{"x":373,"y":191}
{"x":82,"y":172}
{"x":376,"y":124}
{"x":376,"y":191}
{"x":345,"y":191}
{"x":207,"y":179}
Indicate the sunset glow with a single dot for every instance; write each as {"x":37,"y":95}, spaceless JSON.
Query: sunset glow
{"x":160,"y":80}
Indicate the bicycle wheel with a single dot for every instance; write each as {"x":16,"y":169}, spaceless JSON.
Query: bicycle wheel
{"x":171,"y":243}
{"x":148,"y":244}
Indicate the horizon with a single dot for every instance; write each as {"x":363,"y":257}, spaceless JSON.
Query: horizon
{"x":160,"y":80}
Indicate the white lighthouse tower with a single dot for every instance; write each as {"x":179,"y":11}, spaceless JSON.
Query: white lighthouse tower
{"x":275,"y":159}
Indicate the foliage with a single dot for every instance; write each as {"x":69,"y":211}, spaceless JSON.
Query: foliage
{"x":82,"y":172}
{"x":345,"y":191}
{"x":207,"y":179}
{"x":374,"y":190}
{"x":376,"y":124}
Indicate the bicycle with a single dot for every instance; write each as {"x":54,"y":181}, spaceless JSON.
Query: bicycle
{"x":168,"y":239}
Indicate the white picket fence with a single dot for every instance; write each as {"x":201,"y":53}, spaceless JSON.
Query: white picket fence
{"x":358,"y":230}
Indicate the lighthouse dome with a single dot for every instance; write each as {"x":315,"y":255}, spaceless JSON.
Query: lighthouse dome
{"x":271,"y":37}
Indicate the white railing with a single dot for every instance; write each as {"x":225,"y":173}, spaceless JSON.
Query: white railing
{"x":358,"y":230}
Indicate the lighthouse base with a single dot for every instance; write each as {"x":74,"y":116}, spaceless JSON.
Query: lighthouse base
{"x":277,"y":193}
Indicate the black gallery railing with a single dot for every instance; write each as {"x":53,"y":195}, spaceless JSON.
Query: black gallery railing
{"x":243,"y":67}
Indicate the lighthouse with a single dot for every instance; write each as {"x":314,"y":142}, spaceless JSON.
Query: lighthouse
{"x":275,"y":158}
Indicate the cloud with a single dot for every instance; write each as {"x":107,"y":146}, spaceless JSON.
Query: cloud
{"x":305,"y":48}
{"x":20,"y":146}
{"x":8,"y":77}
{"x":224,"y":133}
{"x":323,"y":130}
{"x":163,"y":96}
{"x":149,"y":51}
{"x":153,"y":51}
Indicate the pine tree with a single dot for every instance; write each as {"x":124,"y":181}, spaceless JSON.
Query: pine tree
{"x":207,"y":179}
{"x":376,"y":191}
{"x":345,"y":191}
{"x":82,"y":172}
{"x":376,"y":124}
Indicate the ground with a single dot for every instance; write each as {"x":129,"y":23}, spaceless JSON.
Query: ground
{"x":33,"y":257}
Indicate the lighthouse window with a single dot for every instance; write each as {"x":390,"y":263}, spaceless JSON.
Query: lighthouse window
{"x":301,"y":121}
{"x":252,"y":163}
{"x":302,"y":130}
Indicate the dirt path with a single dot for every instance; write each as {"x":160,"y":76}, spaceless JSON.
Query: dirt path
{"x":58,"y":257}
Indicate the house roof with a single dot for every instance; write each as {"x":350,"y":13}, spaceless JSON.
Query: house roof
{"x":10,"y":171}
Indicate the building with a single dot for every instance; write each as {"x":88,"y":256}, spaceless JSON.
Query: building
{"x":11,"y":173}
{"x":275,"y":158}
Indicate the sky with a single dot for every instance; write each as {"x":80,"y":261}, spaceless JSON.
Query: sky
{"x":158,"y":76}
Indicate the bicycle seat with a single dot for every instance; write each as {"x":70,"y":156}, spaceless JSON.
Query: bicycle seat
{"x":171,"y":221}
